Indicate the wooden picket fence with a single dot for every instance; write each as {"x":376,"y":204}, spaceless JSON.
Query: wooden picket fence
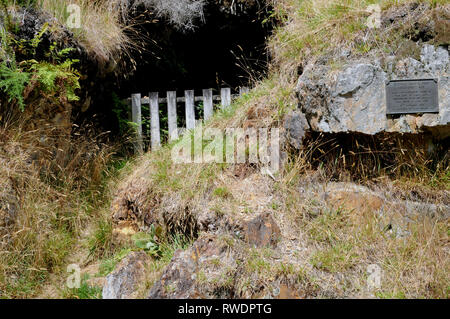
{"x":171,"y":99}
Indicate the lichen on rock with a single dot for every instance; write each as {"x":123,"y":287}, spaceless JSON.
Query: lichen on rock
{"x":353,"y":99}
{"x":124,"y":281}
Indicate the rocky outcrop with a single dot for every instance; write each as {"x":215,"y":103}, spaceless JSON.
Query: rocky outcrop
{"x":131,"y":204}
{"x":54,"y":36}
{"x":353,"y":99}
{"x":216,"y":263}
{"x":262,"y":231}
{"x":296,"y":126}
{"x":183,"y":277}
{"x":13,"y":159}
{"x":124,"y":281}
{"x":360,"y":199}
{"x":354,"y":198}
{"x":9,"y":204}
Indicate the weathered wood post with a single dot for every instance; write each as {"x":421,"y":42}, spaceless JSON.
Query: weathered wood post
{"x":190,"y":111}
{"x":136,"y":116}
{"x":154,"y":121}
{"x":225,"y":96}
{"x":208,"y":103}
{"x":172,"y":115}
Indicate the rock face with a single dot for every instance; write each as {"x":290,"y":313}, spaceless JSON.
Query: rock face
{"x":28,"y":23}
{"x":182,"y":277}
{"x":9,"y":204}
{"x":354,"y":198}
{"x":131,"y":204}
{"x":124,"y":281}
{"x":353,"y":99}
{"x":213,"y":266}
{"x":262,"y":231}
{"x":296,"y":126}
{"x":359,"y":199}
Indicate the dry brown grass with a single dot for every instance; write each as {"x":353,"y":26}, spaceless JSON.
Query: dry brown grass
{"x":103,"y":31}
{"x":362,"y":158}
{"x":325,"y":250}
{"x":311,"y":29}
{"x":340,"y":241}
{"x":56,"y":199}
{"x":107,"y":30}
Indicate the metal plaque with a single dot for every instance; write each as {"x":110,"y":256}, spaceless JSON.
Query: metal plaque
{"x":412,"y":96}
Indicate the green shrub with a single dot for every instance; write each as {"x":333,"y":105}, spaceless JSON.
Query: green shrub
{"x":222,"y":192}
{"x":86,"y":290}
{"x":50,"y":76}
{"x":13,"y":82}
{"x":56,"y":77}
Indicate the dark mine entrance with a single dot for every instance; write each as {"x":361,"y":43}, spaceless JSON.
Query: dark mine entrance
{"x":225,"y":50}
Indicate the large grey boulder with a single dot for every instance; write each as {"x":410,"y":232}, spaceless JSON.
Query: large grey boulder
{"x":189,"y":273}
{"x":296,"y":126}
{"x":124,"y":281}
{"x":215,"y":265}
{"x":353,"y":98}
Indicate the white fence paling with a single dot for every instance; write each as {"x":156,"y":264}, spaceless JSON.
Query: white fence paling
{"x":154,"y":121}
{"x":225,"y":96}
{"x":189,"y":99}
{"x":190,"y":109}
{"x":172,"y":115}
{"x":136,"y":117}
{"x":208,"y":103}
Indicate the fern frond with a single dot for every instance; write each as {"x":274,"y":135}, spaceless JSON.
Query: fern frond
{"x":13,"y":82}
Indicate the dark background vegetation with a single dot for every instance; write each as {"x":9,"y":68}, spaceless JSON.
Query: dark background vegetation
{"x":224,"y":50}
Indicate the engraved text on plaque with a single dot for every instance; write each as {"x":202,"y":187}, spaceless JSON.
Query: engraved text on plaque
{"x":412,"y":96}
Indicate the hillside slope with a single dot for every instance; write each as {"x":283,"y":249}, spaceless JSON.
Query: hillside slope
{"x":349,"y":200}
{"x":358,"y":206}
